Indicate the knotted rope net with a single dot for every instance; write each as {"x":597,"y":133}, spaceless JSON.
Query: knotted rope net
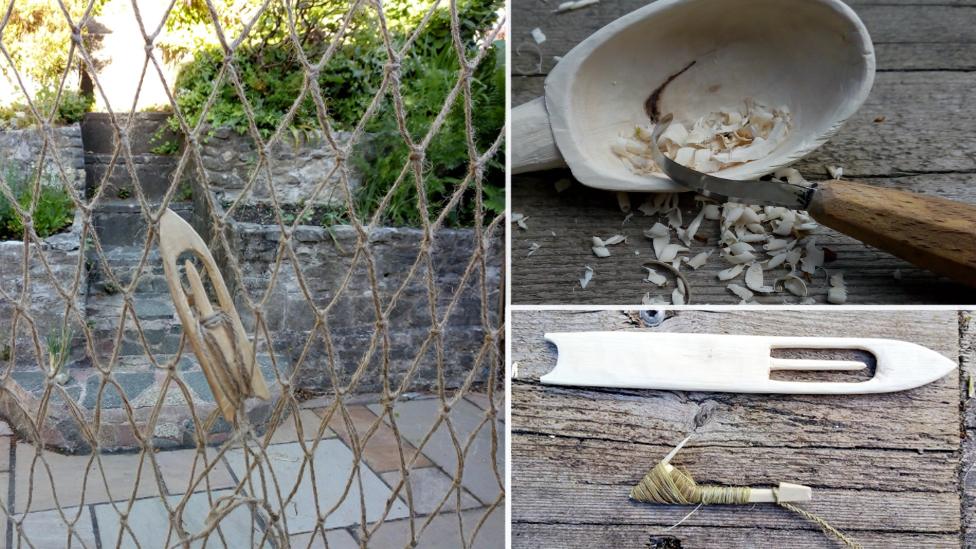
{"x":260,"y":494}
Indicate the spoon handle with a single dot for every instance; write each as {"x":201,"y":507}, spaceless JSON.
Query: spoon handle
{"x":533,"y":148}
{"x":929,"y":231}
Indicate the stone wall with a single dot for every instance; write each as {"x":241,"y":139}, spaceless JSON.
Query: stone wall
{"x":297,"y":167}
{"x":20,"y":150}
{"x":325,"y":257}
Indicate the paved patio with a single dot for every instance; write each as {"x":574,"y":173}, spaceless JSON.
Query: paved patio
{"x":94,"y":495}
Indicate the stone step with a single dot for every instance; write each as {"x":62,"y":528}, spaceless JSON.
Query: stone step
{"x":98,"y":132}
{"x":121,"y":224}
{"x":146,"y":132}
{"x":154,"y":173}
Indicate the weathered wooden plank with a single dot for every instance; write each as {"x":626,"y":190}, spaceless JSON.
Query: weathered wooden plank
{"x":926,"y":418}
{"x":584,"y":461}
{"x":967,"y":471}
{"x":921,"y":419}
{"x":562,"y":224}
{"x":628,"y":536}
{"x":883,"y":467}
{"x":906,"y":37}
{"x":543,"y":500}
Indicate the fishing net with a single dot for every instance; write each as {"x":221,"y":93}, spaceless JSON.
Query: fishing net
{"x":259,"y":501}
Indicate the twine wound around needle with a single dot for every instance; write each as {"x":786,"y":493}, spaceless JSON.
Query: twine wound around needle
{"x":667,"y":485}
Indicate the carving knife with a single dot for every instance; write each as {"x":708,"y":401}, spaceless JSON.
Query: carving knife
{"x":928,"y":231}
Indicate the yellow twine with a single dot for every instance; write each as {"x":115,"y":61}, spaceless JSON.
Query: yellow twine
{"x":668,"y":485}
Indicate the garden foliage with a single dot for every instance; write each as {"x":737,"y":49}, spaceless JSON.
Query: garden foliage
{"x":272,"y":76}
{"x":53,"y":212}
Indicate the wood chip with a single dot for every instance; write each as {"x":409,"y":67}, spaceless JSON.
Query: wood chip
{"x":587,"y":276}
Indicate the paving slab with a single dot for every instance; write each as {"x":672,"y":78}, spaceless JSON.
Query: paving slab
{"x":333,"y":466}
{"x":428,"y":487}
{"x":416,"y":417}
{"x":75,"y":483}
{"x":381,"y":452}
{"x":149,"y":523}
{"x":180,"y":467}
{"x":287,"y":430}
{"x":443,"y":531}
{"x":48,"y":529}
{"x":4,"y":453}
{"x":338,"y":539}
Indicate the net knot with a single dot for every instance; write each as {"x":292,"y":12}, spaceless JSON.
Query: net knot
{"x":417,"y":153}
{"x":393,"y":66}
{"x":476,"y":168}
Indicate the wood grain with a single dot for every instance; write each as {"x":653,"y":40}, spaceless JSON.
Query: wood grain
{"x":884,"y":468}
{"x":912,"y":133}
{"x":967,"y":472}
{"x":928,"y":231}
{"x":627,"y":536}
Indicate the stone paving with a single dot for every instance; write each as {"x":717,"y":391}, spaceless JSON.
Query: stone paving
{"x":94,"y":497}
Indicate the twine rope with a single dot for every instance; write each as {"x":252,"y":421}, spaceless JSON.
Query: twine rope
{"x":258,"y":477}
{"x":665,"y":484}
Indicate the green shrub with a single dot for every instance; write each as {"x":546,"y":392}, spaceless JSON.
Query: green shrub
{"x":272,"y":76}
{"x":71,"y":108}
{"x":54,"y":210}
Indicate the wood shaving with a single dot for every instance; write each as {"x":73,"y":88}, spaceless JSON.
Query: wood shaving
{"x":655,"y":300}
{"x":712,"y":212}
{"x":699,"y":260}
{"x":837,"y":294}
{"x":742,"y":293}
{"x":677,"y":297}
{"x":623,"y":200}
{"x":689,"y":234}
{"x":533,"y":247}
{"x":714,"y":142}
{"x":731,"y":272}
{"x":681,"y":283}
{"x":587,"y":276}
{"x":655,"y":278}
{"x":813,"y":258}
{"x":670,"y":252}
{"x":795,"y":285}
{"x":754,"y":279}
{"x":575,"y":5}
{"x":601,"y":251}
{"x":519,"y":220}
{"x":835,"y":172}
{"x":538,"y":35}
{"x":657,"y":231}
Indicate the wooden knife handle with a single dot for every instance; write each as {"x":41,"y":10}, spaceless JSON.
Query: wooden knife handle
{"x":928,"y":231}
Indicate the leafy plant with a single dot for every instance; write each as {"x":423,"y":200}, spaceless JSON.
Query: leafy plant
{"x":268,"y":66}
{"x":70,"y":109}
{"x":53,"y":212}
{"x":58,"y":349}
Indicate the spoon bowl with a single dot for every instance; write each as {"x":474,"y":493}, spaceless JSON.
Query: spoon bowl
{"x":691,"y":58}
